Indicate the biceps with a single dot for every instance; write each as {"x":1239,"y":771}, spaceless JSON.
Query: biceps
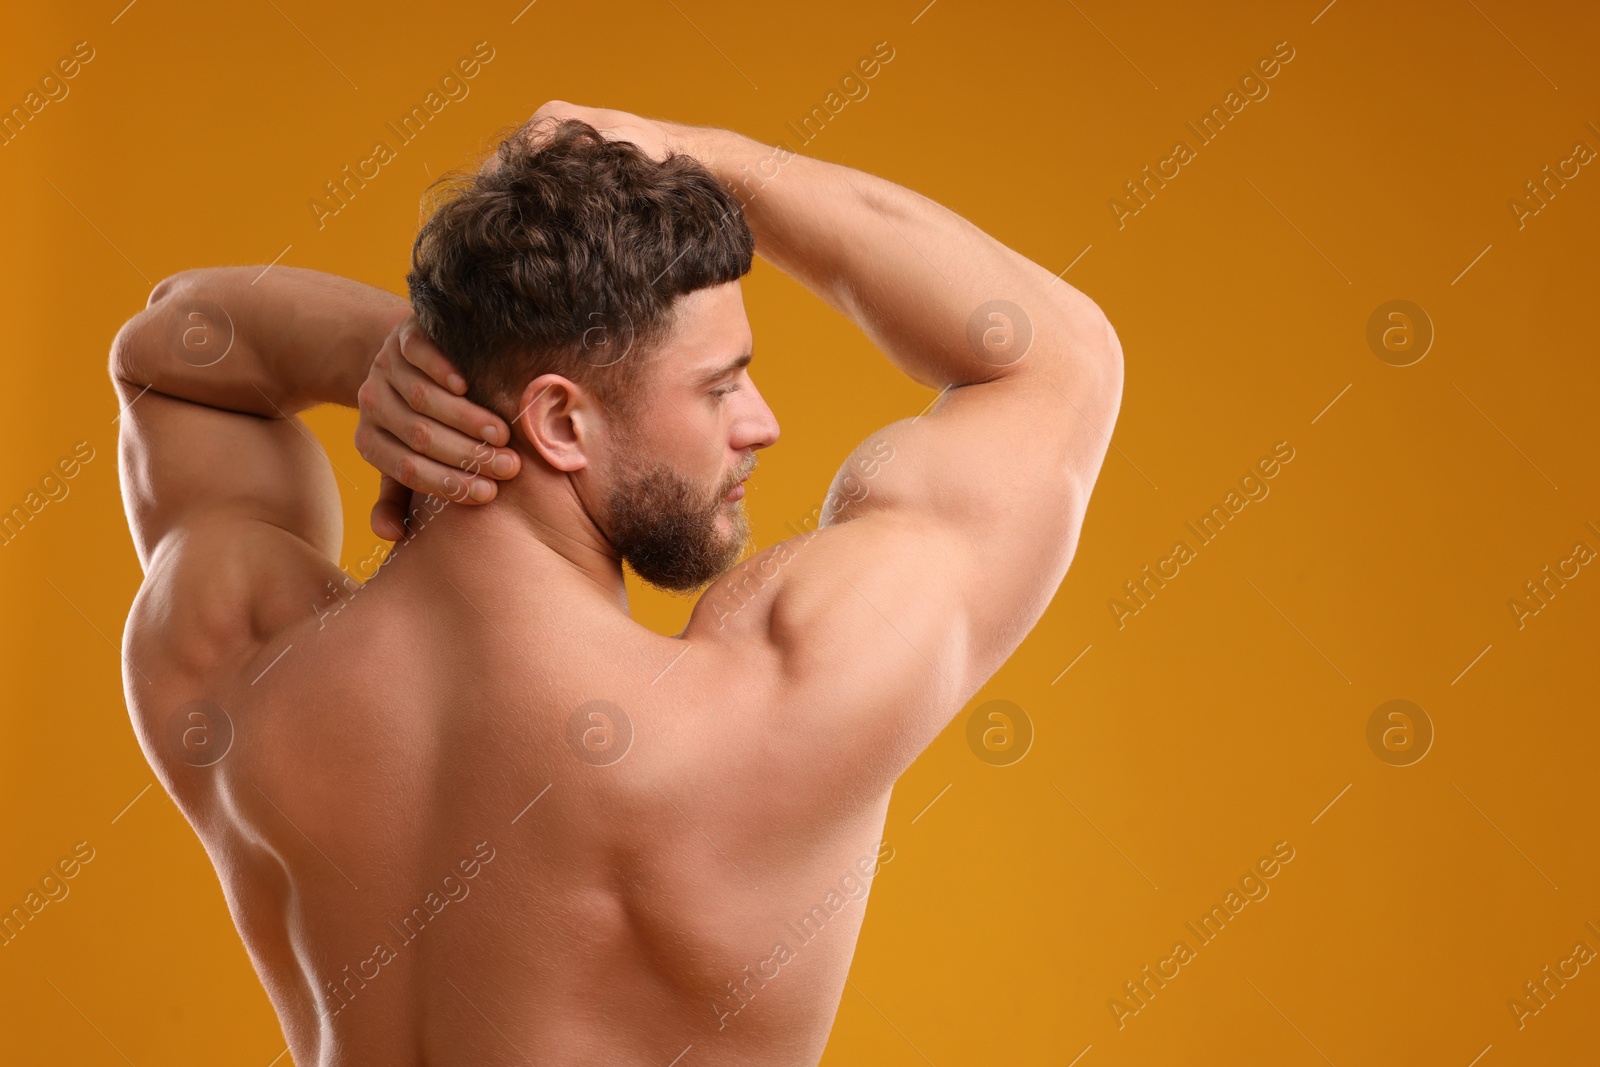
{"x":182,"y":461}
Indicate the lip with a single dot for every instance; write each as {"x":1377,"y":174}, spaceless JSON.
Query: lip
{"x":736,"y":493}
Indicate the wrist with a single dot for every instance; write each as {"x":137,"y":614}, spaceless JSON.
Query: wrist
{"x":356,"y":362}
{"x":725,"y":153}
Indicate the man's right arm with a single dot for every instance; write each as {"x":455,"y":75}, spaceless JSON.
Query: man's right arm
{"x":906,"y":270}
{"x":946,"y":534}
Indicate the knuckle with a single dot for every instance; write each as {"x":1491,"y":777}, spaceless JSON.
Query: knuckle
{"x":405,"y":471}
{"x":419,"y":436}
{"x":417,"y":395}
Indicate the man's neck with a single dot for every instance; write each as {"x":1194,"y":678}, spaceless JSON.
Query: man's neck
{"x":547,"y":537}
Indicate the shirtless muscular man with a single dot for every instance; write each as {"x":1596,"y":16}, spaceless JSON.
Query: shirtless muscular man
{"x":470,"y":812}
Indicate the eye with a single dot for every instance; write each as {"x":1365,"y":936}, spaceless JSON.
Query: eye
{"x":725,"y":390}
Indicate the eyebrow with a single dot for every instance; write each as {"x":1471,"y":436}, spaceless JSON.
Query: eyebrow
{"x":725,"y":369}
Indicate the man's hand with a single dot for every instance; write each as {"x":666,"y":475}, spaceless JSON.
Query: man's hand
{"x":422,"y":434}
{"x":653,"y":136}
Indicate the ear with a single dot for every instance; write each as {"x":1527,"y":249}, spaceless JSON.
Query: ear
{"x":560,"y":419}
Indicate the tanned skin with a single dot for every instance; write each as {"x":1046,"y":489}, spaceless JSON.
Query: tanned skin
{"x":436,"y":848}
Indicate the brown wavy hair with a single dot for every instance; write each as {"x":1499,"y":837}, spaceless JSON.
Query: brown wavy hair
{"x":565,"y":254}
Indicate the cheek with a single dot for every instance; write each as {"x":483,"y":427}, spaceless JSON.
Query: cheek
{"x":689,"y":436}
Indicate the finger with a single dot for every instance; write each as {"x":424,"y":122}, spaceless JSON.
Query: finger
{"x":389,"y":512}
{"x":426,"y":357}
{"x":388,"y":410}
{"x":422,"y":394}
{"x":391,"y":456}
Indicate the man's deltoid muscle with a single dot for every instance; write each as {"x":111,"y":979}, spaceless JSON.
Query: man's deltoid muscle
{"x":468,"y":811}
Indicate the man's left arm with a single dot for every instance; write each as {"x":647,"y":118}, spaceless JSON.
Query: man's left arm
{"x":233,"y":506}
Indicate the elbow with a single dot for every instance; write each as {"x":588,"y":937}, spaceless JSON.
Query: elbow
{"x":1113,"y":343}
{"x":123,"y":364}
{"x":1102,"y":363}
{"x":129,"y":348}
{"x":1099,"y":335}
{"x":165,"y":288}
{"x":1093,"y":338}
{"x":191,"y":282}
{"x":1111,"y":358}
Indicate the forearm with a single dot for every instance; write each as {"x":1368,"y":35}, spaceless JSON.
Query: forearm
{"x":910,"y":273}
{"x":270,"y":344}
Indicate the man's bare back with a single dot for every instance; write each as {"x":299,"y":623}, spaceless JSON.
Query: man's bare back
{"x":470,"y":811}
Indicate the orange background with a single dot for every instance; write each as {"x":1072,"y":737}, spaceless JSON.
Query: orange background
{"x":1223,"y":718}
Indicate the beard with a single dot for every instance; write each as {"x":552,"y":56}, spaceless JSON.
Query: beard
{"x":665,"y":527}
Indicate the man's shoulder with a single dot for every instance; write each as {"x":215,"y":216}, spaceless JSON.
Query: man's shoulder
{"x":738,"y":605}
{"x":218,"y":613}
{"x":210,"y":597}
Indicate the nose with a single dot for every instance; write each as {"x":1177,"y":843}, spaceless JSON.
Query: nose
{"x":758,"y":428}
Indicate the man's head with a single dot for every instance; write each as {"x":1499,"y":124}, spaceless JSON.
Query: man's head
{"x":590,"y":295}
